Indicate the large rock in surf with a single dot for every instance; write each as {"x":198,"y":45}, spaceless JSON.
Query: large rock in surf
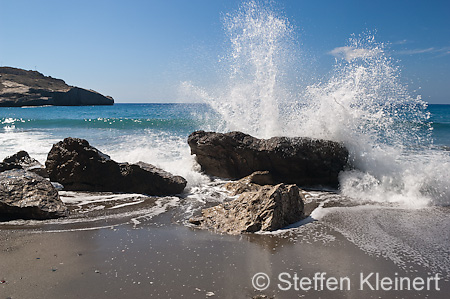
{"x":78,"y":166}
{"x":266,"y":209}
{"x":30,"y":88}
{"x":22,"y":160}
{"x":302,"y":161}
{"x":26,"y":195}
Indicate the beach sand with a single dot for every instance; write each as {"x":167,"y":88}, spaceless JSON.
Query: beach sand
{"x":162,"y":259}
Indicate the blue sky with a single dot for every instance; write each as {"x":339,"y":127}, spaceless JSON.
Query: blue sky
{"x":140,"y":51}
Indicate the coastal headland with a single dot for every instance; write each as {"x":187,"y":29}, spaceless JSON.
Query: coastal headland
{"x":20,"y":88}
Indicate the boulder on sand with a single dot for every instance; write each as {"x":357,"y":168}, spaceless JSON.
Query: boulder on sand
{"x":80,"y":167}
{"x":296,"y":160}
{"x":26,"y":195}
{"x":267,"y":209}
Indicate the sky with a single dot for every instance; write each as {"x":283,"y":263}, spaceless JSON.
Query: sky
{"x":140,"y":51}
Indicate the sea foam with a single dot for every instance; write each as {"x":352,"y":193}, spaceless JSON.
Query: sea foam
{"x":362,"y":103}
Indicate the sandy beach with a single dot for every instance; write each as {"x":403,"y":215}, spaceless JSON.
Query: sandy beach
{"x":162,"y":259}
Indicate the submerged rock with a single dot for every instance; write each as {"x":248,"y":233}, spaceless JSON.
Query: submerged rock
{"x":267,"y":209}
{"x":22,"y":160}
{"x":26,"y":195}
{"x":302,"y":161}
{"x":80,"y":167}
{"x":20,"y":87}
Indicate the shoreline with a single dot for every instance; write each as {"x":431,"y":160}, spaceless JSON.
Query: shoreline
{"x":162,"y":259}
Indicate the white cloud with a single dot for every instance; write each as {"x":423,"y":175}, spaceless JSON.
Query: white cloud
{"x":400,"y":42}
{"x":416,"y":51}
{"x":350,"y":53}
{"x":441,"y":51}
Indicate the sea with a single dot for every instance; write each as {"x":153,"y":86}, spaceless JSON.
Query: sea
{"x":395,"y":191}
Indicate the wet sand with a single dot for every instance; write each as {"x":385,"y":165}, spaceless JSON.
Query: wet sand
{"x":162,"y":259}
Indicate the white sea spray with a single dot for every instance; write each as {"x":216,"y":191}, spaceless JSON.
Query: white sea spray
{"x":362,"y":103}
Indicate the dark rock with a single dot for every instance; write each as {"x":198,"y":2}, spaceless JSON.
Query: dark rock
{"x":21,"y":160}
{"x":78,"y":166}
{"x":302,"y":161}
{"x":30,"y":88}
{"x":270,"y":208}
{"x":26,"y":195}
{"x":9,"y":166}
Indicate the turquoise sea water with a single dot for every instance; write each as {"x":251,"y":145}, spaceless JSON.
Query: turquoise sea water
{"x":440,"y":119}
{"x":176,"y":118}
{"x":157,"y":134}
{"x":118,"y":128}
{"x":104,"y":124}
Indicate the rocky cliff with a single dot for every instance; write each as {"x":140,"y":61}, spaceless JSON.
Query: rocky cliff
{"x":30,"y":88}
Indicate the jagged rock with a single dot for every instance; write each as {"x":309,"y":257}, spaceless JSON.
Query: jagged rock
{"x":22,"y":160}
{"x":78,"y":166}
{"x":255,"y":182}
{"x":252,"y":182}
{"x":30,"y":88}
{"x":26,"y":195}
{"x":302,"y":161}
{"x":267,"y":209}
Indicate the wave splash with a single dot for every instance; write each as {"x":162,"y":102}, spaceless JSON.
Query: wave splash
{"x":362,"y":103}
{"x":259,"y":42}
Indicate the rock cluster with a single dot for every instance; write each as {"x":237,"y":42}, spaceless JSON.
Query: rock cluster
{"x":269,"y":171}
{"x":26,"y":193}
